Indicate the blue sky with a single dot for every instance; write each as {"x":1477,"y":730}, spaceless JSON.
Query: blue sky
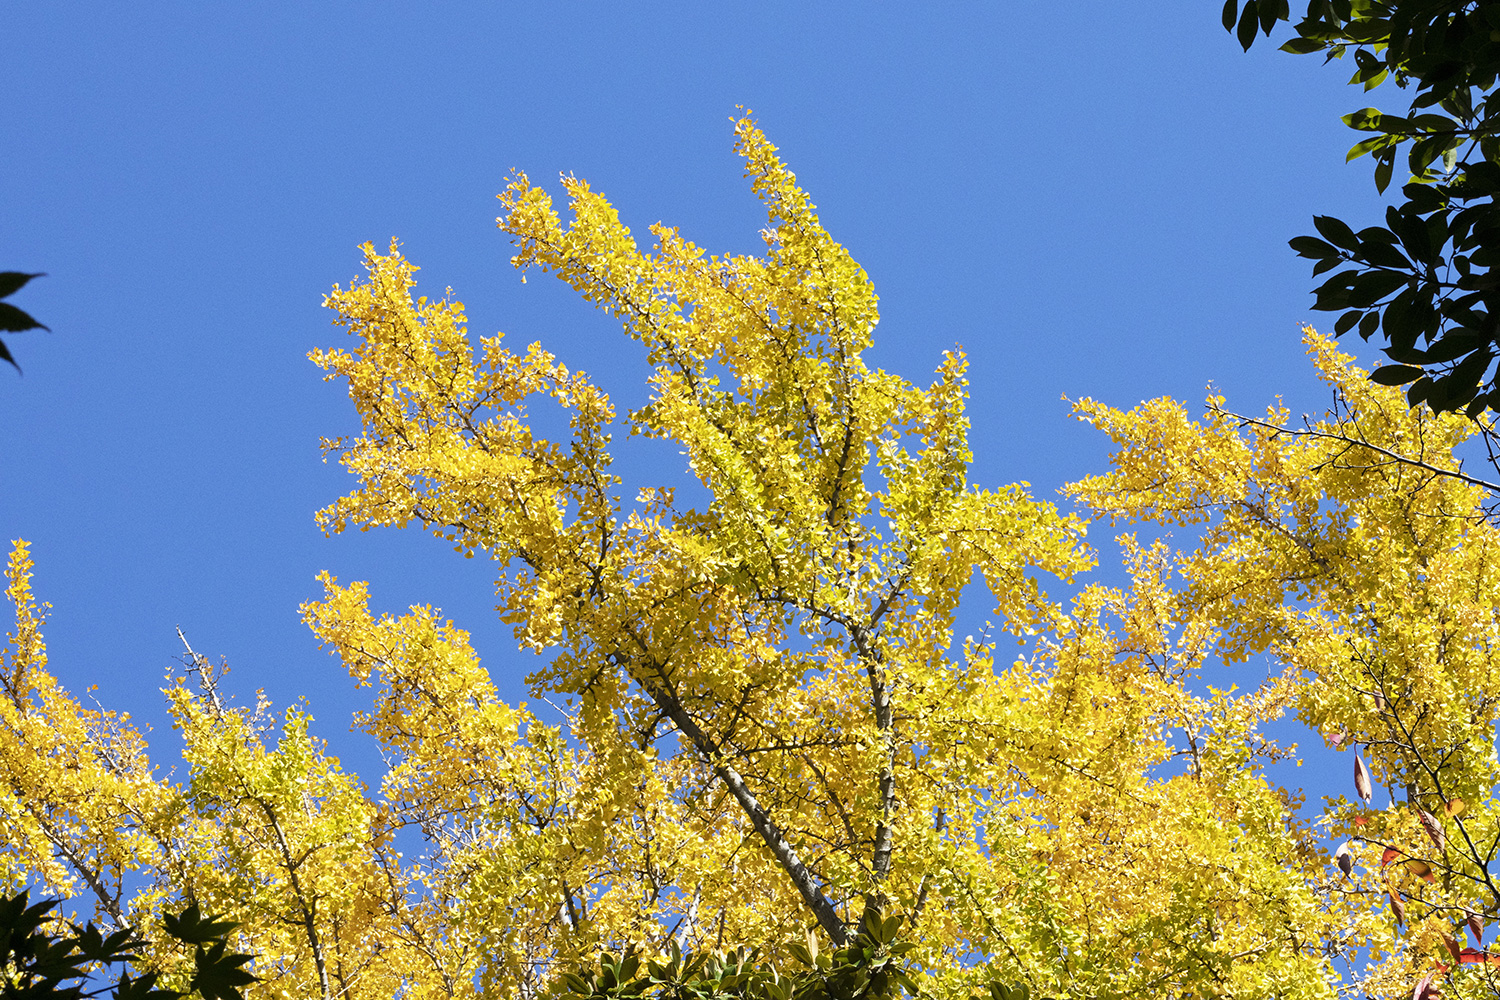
{"x":1091,"y":198}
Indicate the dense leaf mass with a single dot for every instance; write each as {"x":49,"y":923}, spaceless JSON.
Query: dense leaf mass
{"x":1423,"y":280}
{"x":771,"y":767}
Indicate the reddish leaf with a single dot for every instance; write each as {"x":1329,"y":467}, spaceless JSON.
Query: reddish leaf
{"x":1398,"y":907}
{"x":1424,"y":989}
{"x":1363,"y":787}
{"x":1475,"y":927}
{"x":1434,"y":830}
{"x":1361,"y":820}
{"x":1388,"y":855}
{"x":1452,"y":945}
{"x":1472,"y":956}
{"x":1333,"y":739}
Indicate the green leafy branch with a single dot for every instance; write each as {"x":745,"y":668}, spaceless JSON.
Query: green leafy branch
{"x":868,"y":968}
{"x":42,"y":958}
{"x":13,"y":320}
{"x":1424,"y":279}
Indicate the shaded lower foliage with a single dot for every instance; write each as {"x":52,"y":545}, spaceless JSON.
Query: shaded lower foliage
{"x":44,"y":957}
{"x":869,"y":967}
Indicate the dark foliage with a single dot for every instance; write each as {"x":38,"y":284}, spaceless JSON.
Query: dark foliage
{"x":868,"y":968}
{"x":13,"y":320}
{"x":1423,"y":281}
{"x":42,"y":958}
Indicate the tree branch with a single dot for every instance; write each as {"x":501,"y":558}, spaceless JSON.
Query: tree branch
{"x":828,"y":918}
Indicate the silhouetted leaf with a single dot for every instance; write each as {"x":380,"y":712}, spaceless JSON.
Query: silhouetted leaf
{"x":13,"y":320}
{"x":219,"y":975}
{"x":1336,"y":232}
{"x":192,"y":927}
{"x":1395,"y":374}
{"x":13,"y":281}
{"x":1249,"y":22}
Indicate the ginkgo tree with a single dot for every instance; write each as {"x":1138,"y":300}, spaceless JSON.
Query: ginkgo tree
{"x":768,"y":733}
{"x":1358,"y":551}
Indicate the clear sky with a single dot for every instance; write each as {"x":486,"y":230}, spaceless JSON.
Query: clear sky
{"x":1091,"y":198}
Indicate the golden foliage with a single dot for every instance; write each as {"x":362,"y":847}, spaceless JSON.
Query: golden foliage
{"x":764,"y":714}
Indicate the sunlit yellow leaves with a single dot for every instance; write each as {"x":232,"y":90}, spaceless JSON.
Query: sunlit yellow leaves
{"x":75,"y":789}
{"x":1355,"y":549}
{"x":779,"y":654}
{"x":757,"y":712}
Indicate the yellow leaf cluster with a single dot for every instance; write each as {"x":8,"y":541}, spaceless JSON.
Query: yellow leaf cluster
{"x":763,"y":715}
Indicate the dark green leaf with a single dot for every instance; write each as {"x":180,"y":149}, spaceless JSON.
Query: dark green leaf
{"x":1312,"y":247}
{"x":218,"y":975}
{"x":1395,"y":374}
{"x":1230,"y":13}
{"x":1412,"y":232}
{"x":1423,"y":152}
{"x":192,"y":927}
{"x":1383,"y":254}
{"x":1452,"y":346}
{"x":1376,"y":234}
{"x":1364,"y":146}
{"x":1463,"y":380}
{"x":1383,"y":167}
{"x":1248,"y":24}
{"x":14,"y":320}
{"x":1402,"y":354}
{"x":1336,"y":232}
{"x":1431,"y":123}
{"x":1461,"y":311}
{"x":13,"y":281}
{"x":143,"y":988}
{"x":1271,"y":11}
{"x":1480,"y":179}
{"x":1424,"y":198}
{"x":1372,"y":286}
{"x":1397,"y":317}
{"x":1301,"y":46}
{"x":1333,"y":294}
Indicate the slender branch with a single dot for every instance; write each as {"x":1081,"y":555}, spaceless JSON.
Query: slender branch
{"x":926,"y":884}
{"x":880,"y":697}
{"x":771,"y":834}
{"x":309,"y":909}
{"x":1415,"y":463}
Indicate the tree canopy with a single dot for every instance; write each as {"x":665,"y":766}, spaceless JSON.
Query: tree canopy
{"x":770,"y":764}
{"x":1422,"y":280}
